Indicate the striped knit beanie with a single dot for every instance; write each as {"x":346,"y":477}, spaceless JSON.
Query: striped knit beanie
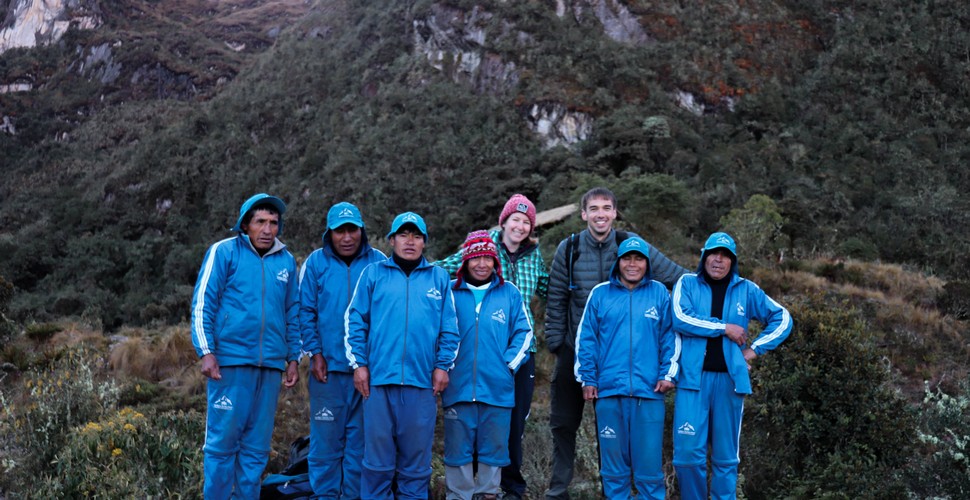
{"x":478,"y":244}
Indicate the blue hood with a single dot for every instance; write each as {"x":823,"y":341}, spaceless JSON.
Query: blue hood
{"x":631,"y":244}
{"x":719,"y":240}
{"x":256,"y":200}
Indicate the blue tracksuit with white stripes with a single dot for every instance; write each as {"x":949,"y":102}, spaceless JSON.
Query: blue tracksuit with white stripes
{"x":495,"y":339}
{"x":624,"y":346}
{"x":336,"y":418}
{"x":401,"y":328}
{"x":709,"y":405}
{"x":245,"y":313}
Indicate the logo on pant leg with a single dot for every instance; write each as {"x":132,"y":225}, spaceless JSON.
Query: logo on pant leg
{"x":223,"y":403}
{"x":686,"y":429}
{"x":325,"y":415}
{"x":451,"y":414}
{"x":608,"y":433}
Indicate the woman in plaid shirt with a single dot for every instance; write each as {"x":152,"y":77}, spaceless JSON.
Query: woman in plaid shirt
{"x":523,"y":266}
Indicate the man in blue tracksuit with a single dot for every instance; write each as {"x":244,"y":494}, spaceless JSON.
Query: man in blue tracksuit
{"x":626,"y":359}
{"x":495,"y":337}
{"x":401,"y":339}
{"x":245,"y":329}
{"x":712,"y":308}
{"x":327,"y":279}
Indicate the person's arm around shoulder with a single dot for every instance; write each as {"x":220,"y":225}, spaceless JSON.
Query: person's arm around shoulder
{"x":209,"y":286}
{"x":557,"y":303}
{"x":663,"y":269}
{"x":450,"y":263}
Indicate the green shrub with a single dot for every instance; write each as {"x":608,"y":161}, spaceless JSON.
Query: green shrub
{"x":129,"y":455}
{"x":823,"y":420}
{"x":941,"y":468}
{"x":40,"y":332}
{"x":955,"y":299}
{"x":757,"y":229}
{"x":52,"y":402}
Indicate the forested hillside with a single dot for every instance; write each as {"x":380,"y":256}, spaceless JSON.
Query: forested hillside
{"x":829,"y":137}
{"x":852,"y":118}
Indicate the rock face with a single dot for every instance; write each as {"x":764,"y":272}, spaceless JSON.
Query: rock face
{"x":31,"y":23}
{"x":557,"y":126}
{"x":618,"y":23}
{"x":454,"y":41}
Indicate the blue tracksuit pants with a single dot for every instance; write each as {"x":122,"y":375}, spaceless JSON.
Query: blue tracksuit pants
{"x":238,"y":430}
{"x":631,"y":434}
{"x":398,"y":432}
{"x":476,"y":430}
{"x":336,"y":437}
{"x":710,"y":417}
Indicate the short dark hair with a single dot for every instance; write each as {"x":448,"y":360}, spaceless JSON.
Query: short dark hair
{"x":599,"y":192}
{"x":269,"y":207}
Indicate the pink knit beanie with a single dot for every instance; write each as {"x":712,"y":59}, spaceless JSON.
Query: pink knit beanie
{"x":518,"y":203}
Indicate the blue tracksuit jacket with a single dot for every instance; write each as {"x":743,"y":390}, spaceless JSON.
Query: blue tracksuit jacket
{"x":625,"y":343}
{"x":326,"y":286}
{"x":693,"y":322}
{"x":245,"y":307}
{"x":495,"y":341}
{"x":401,"y":327}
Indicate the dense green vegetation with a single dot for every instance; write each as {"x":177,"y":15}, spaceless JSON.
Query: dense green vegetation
{"x":849,"y":118}
{"x":830,"y":131}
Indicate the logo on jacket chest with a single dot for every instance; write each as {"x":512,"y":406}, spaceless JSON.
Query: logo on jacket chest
{"x":499,"y":316}
{"x":283,"y":276}
{"x":433,"y":293}
{"x":740,"y":309}
{"x":651,"y":313}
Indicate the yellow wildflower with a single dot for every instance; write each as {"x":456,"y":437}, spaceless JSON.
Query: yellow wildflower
{"x":116,"y":452}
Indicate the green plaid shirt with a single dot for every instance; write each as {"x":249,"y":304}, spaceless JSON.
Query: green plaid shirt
{"x":528,"y":274}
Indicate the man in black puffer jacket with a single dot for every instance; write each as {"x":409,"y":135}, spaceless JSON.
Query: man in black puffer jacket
{"x":582,"y":261}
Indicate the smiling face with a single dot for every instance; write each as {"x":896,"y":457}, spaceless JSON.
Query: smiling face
{"x":262,"y":230}
{"x":346,"y":240}
{"x":515,"y":230}
{"x":480,"y":268}
{"x":599,"y":214}
{"x":717,"y":263}
{"x":633,"y":267}
{"x":408,"y":244}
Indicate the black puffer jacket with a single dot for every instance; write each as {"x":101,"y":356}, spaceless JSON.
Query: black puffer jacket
{"x":592,"y":267}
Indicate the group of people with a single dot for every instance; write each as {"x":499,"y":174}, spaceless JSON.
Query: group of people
{"x":387,"y":335}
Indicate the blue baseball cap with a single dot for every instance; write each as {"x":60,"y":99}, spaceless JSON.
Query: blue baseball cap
{"x":721,"y":240}
{"x":344,"y":213}
{"x":408,"y":218}
{"x":258,"y":199}
{"x":633,"y":244}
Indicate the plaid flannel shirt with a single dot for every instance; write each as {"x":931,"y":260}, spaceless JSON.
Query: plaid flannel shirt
{"x":528,"y":274}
